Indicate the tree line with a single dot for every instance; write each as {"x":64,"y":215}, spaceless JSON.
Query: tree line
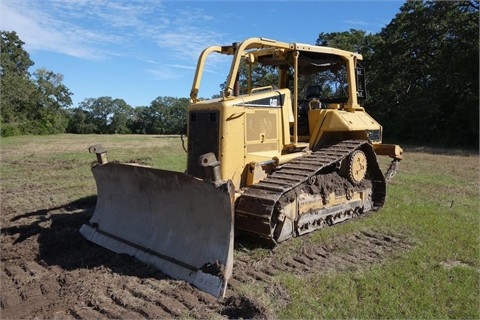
{"x":40,"y":103}
{"x":165,"y":115}
{"x":422,"y":82}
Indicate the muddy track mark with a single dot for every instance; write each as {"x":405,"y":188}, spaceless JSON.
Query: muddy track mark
{"x":49,"y":270}
{"x":352,"y":252}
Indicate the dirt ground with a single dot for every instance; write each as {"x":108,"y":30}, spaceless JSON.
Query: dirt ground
{"x":50,"y":271}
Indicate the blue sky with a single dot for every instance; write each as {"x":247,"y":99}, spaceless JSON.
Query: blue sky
{"x":139,"y":50}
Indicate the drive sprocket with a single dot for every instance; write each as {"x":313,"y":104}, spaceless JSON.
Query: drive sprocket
{"x":354,"y":167}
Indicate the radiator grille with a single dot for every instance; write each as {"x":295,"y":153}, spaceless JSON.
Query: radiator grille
{"x":203,"y":137}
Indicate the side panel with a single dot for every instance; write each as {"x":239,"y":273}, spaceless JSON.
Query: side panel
{"x":232,"y":143}
{"x":341,"y":124}
{"x":262,"y":130}
{"x":250,"y":128}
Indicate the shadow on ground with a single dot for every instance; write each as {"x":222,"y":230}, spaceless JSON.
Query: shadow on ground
{"x":61,"y":244}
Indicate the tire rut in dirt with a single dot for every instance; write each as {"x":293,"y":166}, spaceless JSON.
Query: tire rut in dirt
{"x":352,"y":252}
{"x":49,"y":270}
{"x":135,"y":297}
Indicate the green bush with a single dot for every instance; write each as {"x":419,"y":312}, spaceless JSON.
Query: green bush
{"x":9,"y":129}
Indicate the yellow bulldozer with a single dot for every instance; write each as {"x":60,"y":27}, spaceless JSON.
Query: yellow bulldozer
{"x":270,"y":161}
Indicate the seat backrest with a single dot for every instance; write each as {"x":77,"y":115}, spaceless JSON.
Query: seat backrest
{"x":313,"y":92}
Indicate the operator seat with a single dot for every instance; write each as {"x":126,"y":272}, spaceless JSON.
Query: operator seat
{"x":312,"y":93}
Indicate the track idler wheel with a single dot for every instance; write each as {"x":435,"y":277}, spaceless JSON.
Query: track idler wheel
{"x":354,"y":167}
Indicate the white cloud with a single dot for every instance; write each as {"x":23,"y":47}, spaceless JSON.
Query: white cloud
{"x":185,"y":33}
{"x":98,"y":29}
{"x":40,"y":30}
{"x":181,"y":66}
{"x":165,"y":73}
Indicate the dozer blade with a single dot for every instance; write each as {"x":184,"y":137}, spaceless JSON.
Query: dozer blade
{"x":181,"y":225}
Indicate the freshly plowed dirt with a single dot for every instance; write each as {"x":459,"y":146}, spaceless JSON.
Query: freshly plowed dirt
{"x":50,"y":271}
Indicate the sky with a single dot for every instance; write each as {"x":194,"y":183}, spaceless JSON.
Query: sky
{"x":138,"y":50}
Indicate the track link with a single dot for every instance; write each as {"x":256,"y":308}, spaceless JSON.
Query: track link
{"x":260,"y":208}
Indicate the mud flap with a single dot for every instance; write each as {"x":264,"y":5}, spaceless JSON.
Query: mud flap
{"x":181,"y":225}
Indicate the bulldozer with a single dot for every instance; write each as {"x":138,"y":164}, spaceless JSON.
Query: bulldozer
{"x":284,"y":150}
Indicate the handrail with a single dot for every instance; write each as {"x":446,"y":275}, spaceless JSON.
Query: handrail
{"x":251,"y":43}
{"x":261,"y":89}
{"x":199,"y":71}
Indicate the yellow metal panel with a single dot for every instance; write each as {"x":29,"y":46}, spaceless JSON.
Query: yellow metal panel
{"x":358,"y":120}
{"x":257,"y":147}
{"x":391,"y":150}
{"x":287,"y":116}
{"x":261,"y":125}
{"x":332,"y":120}
{"x":340,"y":120}
{"x":250,"y":131}
{"x":232,"y":144}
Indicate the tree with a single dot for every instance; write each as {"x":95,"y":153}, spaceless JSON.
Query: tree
{"x":139,"y":119}
{"x":80,"y":121}
{"x":169,"y":115}
{"x":53,"y":97}
{"x":261,"y":76}
{"x":17,"y":89}
{"x":14,"y":58}
{"x":121,"y":116}
{"x":425,"y":79}
{"x":29,"y":105}
{"x":165,"y":115}
{"x":108,"y":115}
{"x":353,"y":40}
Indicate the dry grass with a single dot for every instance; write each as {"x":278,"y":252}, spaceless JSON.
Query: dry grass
{"x":43,"y":172}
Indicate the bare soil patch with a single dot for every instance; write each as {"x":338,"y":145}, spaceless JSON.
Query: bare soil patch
{"x":50,"y":271}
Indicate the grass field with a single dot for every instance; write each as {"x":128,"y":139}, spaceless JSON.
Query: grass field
{"x":432,"y":205}
{"x":434,"y":202}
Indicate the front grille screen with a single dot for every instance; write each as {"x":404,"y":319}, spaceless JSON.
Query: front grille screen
{"x":203,"y":137}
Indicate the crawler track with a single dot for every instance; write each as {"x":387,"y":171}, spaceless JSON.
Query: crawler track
{"x":261,"y":208}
